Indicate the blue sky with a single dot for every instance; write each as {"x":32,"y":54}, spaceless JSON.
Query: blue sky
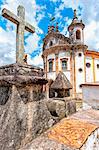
{"x":39,"y":13}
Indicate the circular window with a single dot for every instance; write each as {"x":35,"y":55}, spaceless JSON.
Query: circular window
{"x":88,"y":65}
{"x":80,"y":70}
{"x":80,"y":54}
{"x":80,"y":86}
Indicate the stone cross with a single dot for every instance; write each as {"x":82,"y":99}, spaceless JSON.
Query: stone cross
{"x":19,"y":20}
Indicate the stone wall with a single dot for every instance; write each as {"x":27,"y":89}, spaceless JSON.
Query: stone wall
{"x":17,"y":69}
{"x":22,"y":116}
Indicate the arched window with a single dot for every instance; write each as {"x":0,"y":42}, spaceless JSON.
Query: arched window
{"x":51,"y":43}
{"x":98,"y":66}
{"x":78,"y":35}
{"x":64,"y":64}
{"x":50,"y":66}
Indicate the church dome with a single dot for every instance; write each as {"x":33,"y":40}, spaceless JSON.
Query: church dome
{"x":54,"y":38}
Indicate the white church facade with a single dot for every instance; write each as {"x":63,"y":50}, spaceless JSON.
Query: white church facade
{"x":71,"y":56}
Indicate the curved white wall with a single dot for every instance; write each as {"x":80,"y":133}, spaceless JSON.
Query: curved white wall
{"x":80,"y":76}
{"x":51,"y":75}
{"x":96,"y":61}
{"x":89,"y":71}
{"x":61,"y":55}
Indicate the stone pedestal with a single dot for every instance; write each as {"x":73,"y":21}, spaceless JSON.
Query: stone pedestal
{"x":23,"y":112}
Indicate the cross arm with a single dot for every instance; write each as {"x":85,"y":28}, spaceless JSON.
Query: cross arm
{"x":10,"y":16}
{"x":29,"y":28}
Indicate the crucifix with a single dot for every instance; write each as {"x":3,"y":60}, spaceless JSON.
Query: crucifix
{"x":22,"y":25}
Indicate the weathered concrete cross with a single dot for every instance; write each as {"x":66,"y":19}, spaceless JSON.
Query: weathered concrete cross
{"x":19,"y":20}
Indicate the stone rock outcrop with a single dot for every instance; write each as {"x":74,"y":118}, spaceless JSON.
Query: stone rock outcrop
{"x":61,"y":107}
{"x":23,"y":111}
{"x":56,"y":108}
{"x":20,"y":122}
{"x":70,"y":107}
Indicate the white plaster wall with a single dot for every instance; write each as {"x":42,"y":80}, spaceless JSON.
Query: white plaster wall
{"x":67,"y":74}
{"x":51,"y":56}
{"x":96,"y":61}
{"x":53,"y":40}
{"x":51,"y":75}
{"x":64,"y":54}
{"x":92,"y":142}
{"x":80,"y":76}
{"x":91,"y":95}
{"x":89,"y":71}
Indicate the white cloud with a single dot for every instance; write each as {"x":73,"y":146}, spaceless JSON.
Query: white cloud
{"x":7,"y":47}
{"x":32,"y":43}
{"x":40,"y":16}
{"x":36,"y":61}
{"x":90,"y":16}
{"x":69,"y":4}
{"x":54,"y":1}
{"x":92,"y":34}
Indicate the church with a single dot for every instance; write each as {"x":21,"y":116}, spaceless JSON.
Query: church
{"x":69,"y":57}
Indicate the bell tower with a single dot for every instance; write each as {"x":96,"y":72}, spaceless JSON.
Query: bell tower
{"x":76,"y":35}
{"x":76,"y":30}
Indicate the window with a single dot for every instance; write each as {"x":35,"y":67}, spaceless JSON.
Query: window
{"x":80,"y":69}
{"x":51,"y":43}
{"x":98,"y":66}
{"x":78,"y":35}
{"x":80,"y":86}
{"x":64,"y":64}
{"x":88,"y":65}
{"x":50,"y":66}
{"x":80,"y":54}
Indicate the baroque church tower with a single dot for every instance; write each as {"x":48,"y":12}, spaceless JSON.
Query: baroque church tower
{"x":69,"y":55}
{"x":76,"y":35}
